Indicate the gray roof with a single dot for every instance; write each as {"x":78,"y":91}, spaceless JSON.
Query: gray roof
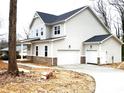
{"x":31,"y":39}
{"x":50,"y":18}
{"x":98,"y":38}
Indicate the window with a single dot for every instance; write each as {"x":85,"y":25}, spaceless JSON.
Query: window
{"x":41,"y":29}
{"x":46,"y":51}
{"x":57,"y":30}
{"x":41,"y":33}
{"x":36,"y":50}
{"x":37,"y":32}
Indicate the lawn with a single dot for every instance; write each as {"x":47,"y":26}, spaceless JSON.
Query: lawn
{"x":31,"y":82}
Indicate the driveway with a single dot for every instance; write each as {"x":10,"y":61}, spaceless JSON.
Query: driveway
{"x":108,"y":80}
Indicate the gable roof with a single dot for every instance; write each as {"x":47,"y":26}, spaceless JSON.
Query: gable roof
{"x":47,"y":18}
{"x":98,"y":38}
{"x":50,"y":18}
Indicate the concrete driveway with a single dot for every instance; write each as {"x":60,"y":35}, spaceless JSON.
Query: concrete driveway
{"x":108,"y":80}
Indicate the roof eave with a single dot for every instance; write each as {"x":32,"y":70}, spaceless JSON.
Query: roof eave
{"x":38,"y":16}
{"x":54,"y":23}
{"x":87,"y":43}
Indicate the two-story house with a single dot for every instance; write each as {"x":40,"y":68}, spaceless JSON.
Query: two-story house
{"x":74,"y":37}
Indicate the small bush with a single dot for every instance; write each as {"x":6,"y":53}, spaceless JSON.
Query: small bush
{"x":6,"y":57}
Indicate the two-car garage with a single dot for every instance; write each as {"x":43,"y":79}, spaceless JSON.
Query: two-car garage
{"x":96,"y":50}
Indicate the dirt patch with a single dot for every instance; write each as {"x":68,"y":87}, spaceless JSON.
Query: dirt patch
{"x":3,"y":66}
{"x":60,"y":82}
{"x":115,"y":65}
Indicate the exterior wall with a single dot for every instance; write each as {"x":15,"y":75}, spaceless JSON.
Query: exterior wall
{"x":82,"y":27}
{"x":91,"y":47}
{"x":112,"y":48}
{"x":48,"y":31}
{"x":62,"y":32}
{"x":58,"y":45}
{"x":37,"y":24}
{"x":41,"y":49}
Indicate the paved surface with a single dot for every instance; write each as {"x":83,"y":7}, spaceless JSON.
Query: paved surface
{"x":108,"y":80}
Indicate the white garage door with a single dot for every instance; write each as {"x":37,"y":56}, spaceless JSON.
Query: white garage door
{"x":68,"y":57}
{"x":91,"y":56}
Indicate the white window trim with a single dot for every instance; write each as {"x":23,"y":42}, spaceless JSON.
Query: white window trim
{"x":57,"y":29}
{"x":37,"y":34}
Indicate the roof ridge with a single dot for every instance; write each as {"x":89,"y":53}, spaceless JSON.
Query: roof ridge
{"x":46,"y":13}
{"x":73,"y":10}
{"x":98,"y":38}
{"x":51,"y":18}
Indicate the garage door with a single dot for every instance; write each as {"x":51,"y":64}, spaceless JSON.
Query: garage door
{"x":91,"y":56}
{"x":68,"y":57}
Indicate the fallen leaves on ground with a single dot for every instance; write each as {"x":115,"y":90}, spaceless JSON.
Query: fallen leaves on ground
{"x":115,"y":65}
{"x":2,"y":65}
{"x":60,"y":82}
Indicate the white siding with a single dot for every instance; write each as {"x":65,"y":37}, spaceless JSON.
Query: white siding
{"x":48,"y":31}
{"x":41,"y":49}
{"x":37,"y":24}
{"x":82,"y":27}
{"x":57,"y":45}
{"x":91,"y":47}
{"x":112,"y":48}
{"x":62,"y":32}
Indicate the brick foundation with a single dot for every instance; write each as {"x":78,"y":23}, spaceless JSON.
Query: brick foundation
{"x":83,"y":60}
{"x":98,"y":60}
{"x":43,"y":60}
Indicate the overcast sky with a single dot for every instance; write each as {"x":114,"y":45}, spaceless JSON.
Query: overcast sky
{"x":27,"y":8}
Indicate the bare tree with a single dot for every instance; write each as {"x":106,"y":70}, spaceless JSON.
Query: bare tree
{"x":119,"y":5}
{"x":101,"y":8}
{"x":27,"y":33}
{"x":3,"y":43}
{"x":12,"y":65}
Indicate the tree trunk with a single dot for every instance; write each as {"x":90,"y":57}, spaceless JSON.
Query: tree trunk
{"x":12,"y":65}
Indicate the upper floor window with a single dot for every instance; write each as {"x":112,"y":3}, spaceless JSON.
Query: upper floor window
{"x":37,"y":32}
{"x":41,"y":28}
{"x":41,"y":31}
{"x":57,"y":30}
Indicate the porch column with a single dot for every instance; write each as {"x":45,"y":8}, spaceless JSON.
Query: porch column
{"x":21,"y":51}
